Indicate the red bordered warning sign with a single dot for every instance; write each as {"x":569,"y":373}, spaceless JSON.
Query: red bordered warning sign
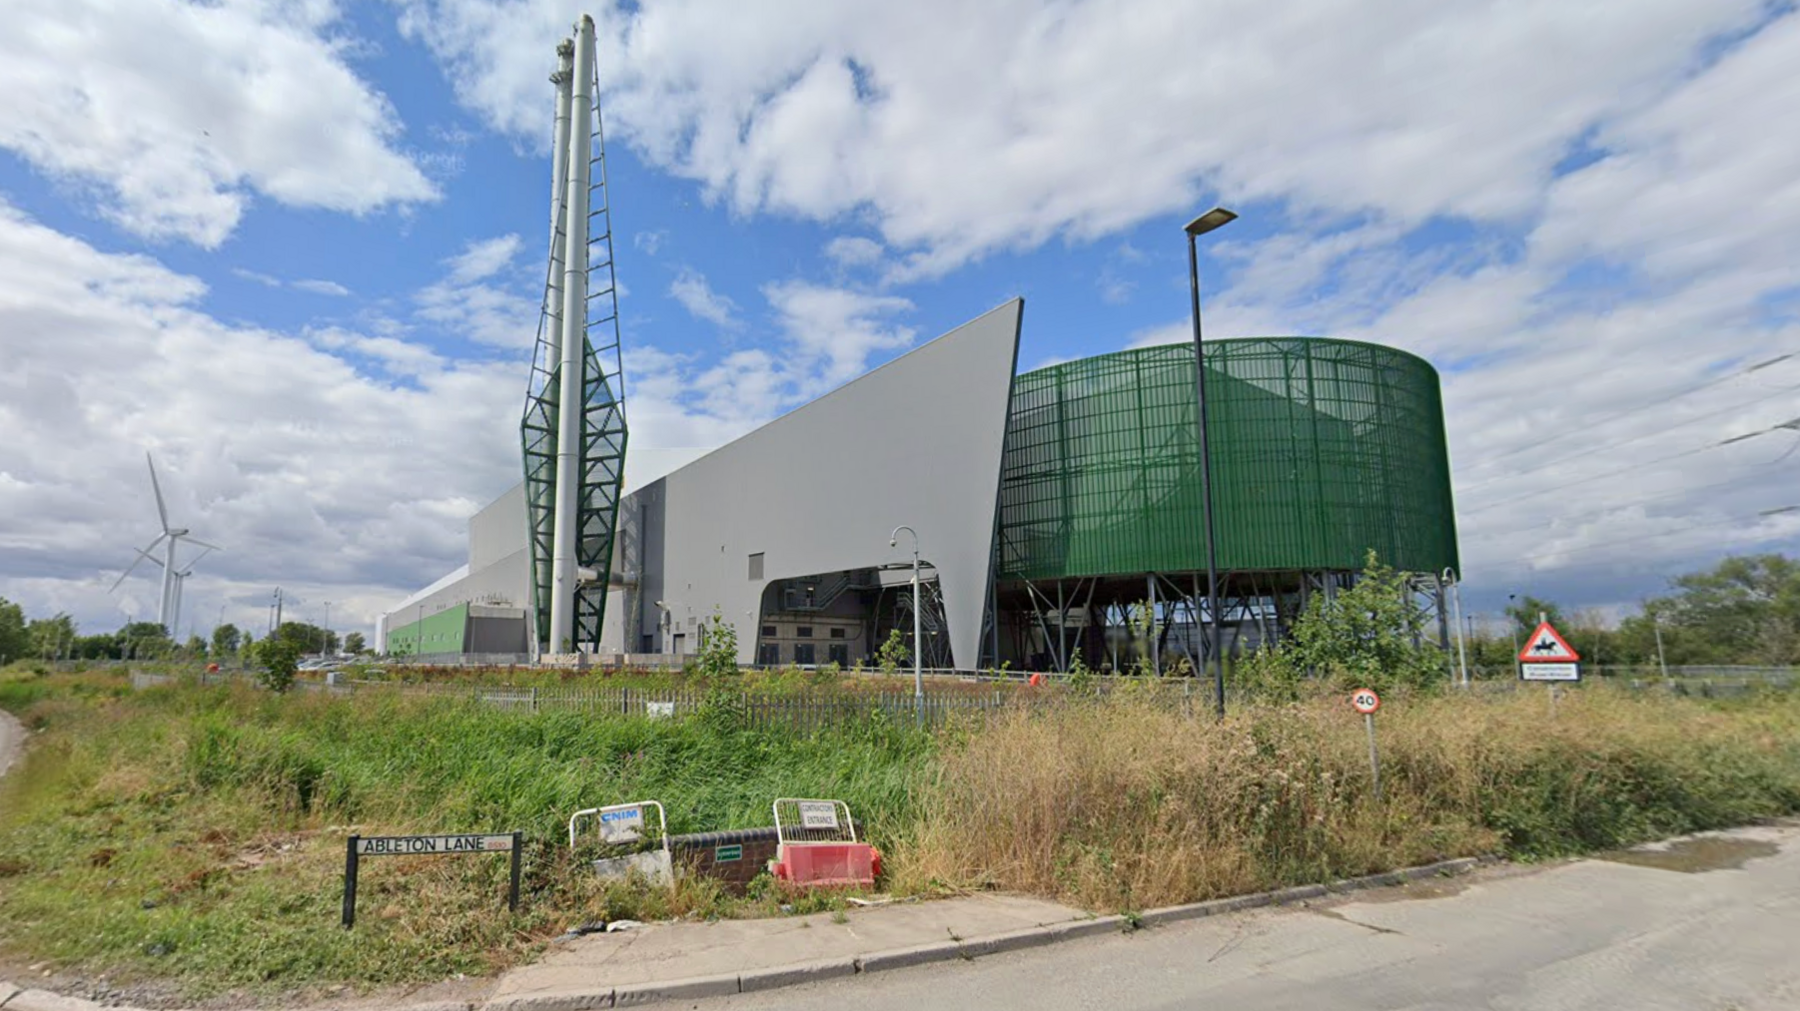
{"x":1546,"y":645}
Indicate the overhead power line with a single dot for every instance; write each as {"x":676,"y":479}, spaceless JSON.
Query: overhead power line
{"x":1579,"y":549}
{"x":1793,"y":425}
{"x":1628,"y":412}
{"x":1608,"y":447}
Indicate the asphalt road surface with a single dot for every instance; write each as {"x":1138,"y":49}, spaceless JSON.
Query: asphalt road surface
{"x":1711,"y":925}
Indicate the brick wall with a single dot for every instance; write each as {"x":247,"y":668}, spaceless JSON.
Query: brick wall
{"x":701,"y":851}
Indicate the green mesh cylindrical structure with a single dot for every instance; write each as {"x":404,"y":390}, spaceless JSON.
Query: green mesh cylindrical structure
{"x":1321,"y":451}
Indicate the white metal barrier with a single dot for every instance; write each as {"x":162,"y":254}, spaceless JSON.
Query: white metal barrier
{"x":622,"y":824}
{"x":798,"y":820}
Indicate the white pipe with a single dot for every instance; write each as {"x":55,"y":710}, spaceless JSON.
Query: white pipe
{"x":574,"y":343}
{"x":559,"y":183}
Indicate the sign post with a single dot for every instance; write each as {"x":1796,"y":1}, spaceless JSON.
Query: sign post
{"x":356,"y":847}
{"x":1365,"y":701}
{"x":1549,"y":658}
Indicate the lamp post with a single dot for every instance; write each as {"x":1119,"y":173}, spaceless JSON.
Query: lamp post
{"x":918,"y":644}
{"x":1212,"y":219}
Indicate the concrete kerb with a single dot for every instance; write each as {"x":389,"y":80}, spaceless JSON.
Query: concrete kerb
{"x":1197,"y":910}
{"x":675,"y":989}
{"x":794,"y":975}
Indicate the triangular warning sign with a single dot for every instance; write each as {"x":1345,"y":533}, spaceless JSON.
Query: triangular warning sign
{"x":1547,"y":645}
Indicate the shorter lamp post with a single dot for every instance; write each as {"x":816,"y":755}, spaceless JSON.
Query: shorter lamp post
{"x":918,"y":644}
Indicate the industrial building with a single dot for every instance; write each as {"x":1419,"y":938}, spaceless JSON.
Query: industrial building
{"x":1054,"y":515}
{"x":1047,"y":506}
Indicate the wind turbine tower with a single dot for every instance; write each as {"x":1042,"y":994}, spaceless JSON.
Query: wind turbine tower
{"x":168,"y":609}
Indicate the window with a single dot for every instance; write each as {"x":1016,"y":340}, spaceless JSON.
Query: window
{"x":804,"y":632}
{"x":769,"y":632}
{"x":805,"y":652}
{"x":648,"y":643}
{"x":756,"y":565}
{"x":840,"y":654}
{"x":768,"y":654}
{"x":837,"y":633}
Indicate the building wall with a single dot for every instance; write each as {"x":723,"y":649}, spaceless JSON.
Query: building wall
{"x":1322,"y":450}
{"x":444,"y":631}
{"x":917,"y":442}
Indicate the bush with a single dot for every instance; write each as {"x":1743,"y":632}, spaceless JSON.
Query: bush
{"x":281,"y":662}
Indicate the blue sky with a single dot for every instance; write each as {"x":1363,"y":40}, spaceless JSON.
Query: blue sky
{"x":295,"y":248}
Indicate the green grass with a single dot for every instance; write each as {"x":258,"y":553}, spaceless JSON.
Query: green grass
{"x":198,"y":834}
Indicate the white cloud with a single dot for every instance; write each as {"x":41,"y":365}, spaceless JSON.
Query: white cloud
{"x":1072,"y":120}
{"x":483,"y":296}
{"x":691,"y":289}
{"x":317,"y":286}
{"x":836,"y":328}
{"x":262,"y":279}
{"x":179,"y":112}
{"x":313,"y":286}
{"x":651,"y":241}
{"x":296,"y":454}
{"x":853,"y":251}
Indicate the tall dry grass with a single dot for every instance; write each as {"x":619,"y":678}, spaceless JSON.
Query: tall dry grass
{"x":1126,"y":805}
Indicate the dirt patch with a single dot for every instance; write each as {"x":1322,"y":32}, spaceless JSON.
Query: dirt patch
{"x":1695,"y":856}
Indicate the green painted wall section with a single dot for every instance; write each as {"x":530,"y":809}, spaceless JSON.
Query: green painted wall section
{"x":444,"y":632}
{"x":1321,"y":450}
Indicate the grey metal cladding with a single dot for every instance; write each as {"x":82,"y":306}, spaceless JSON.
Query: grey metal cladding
{"x":916,"y":442}
{"x":498,"y":529}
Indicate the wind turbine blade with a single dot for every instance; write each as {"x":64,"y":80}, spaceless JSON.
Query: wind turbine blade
{"x":201,"y":543}
{"x":190,"y":565}
{"x":143,"y":553}
{"x":161,"y":510}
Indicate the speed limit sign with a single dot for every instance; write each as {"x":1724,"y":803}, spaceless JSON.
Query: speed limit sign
{"x":1365,"y":701}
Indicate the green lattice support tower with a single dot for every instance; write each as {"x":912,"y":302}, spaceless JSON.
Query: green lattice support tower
{"x":602,"y":429}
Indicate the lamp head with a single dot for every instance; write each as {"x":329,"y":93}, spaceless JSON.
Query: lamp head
{"x":893,"y":542}
{"x":1210,"y":220}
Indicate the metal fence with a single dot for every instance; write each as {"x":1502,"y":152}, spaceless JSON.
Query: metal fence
{"x":810,"y":710}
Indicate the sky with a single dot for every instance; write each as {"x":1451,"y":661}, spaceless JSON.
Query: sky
{"x":295,"y":249}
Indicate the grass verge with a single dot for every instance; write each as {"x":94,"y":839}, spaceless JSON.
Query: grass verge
{"x":197,"y":834}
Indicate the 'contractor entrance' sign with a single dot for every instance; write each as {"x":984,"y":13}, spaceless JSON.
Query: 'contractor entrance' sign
{"x":357,"y":847}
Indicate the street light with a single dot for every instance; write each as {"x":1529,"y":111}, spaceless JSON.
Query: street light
{"x":1212,"y":219}
{"x":918,"y":644}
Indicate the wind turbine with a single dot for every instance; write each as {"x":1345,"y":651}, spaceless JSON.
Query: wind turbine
{"x":169,"y":608}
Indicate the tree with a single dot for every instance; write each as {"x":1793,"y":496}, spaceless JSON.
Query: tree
{"x":280,"y":658}
{"x":225,"y":640}
{"x":1745,"y":610}
{"x":145,"y":640}
{"x":196,"y":647}
{"x":1524,"y":613}
{"x":893,"y":653}
{"x":15,"y":642}
{"x":51,"y":638}
{"x":354,"y":643}
{"x":718,"y":647}
{"x":1369,"y":636}
{"x":309,"y":638}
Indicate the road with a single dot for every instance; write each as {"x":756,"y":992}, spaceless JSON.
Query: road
{"x":1707,"y":926}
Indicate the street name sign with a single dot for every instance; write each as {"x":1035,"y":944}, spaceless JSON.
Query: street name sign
{"x":431,"y":845}
{"x":356,"y":847}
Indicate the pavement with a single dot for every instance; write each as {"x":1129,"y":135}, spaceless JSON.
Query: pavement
{"x":1705,"y":924}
